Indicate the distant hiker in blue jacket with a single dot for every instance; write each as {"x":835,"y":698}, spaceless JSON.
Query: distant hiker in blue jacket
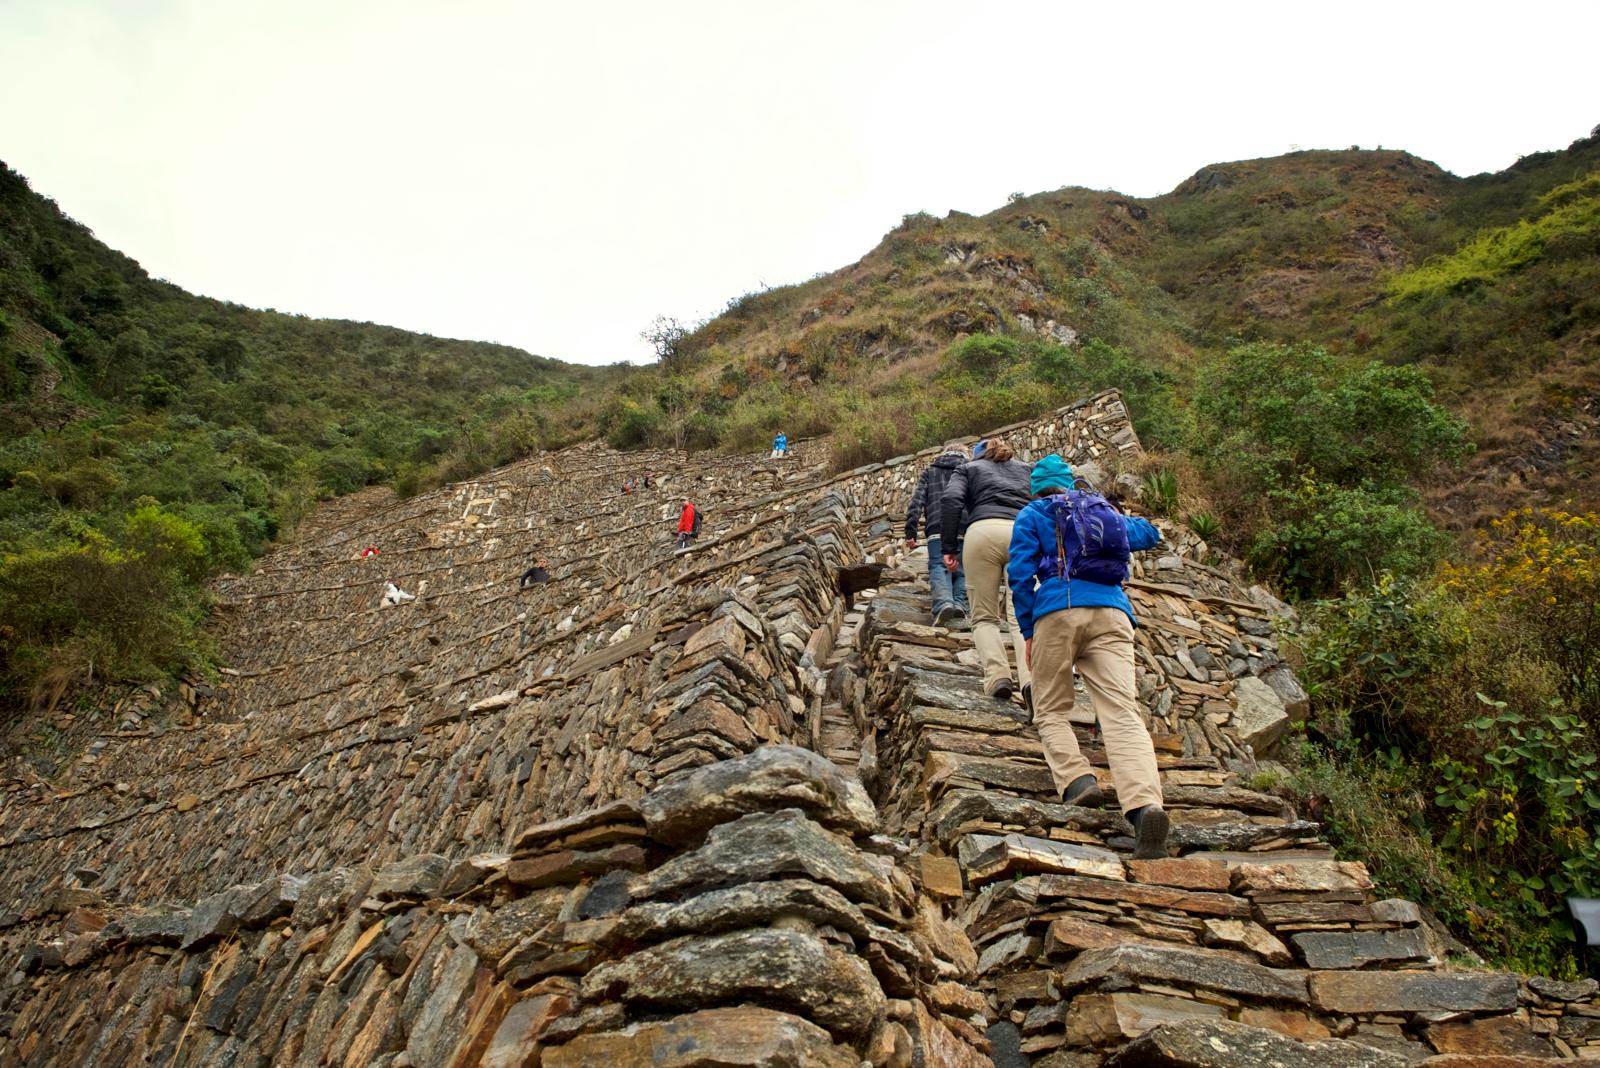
{"x":1069,"y":558}
{"x":780,"y":446}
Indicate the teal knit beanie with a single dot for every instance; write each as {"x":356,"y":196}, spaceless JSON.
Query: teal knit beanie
{"x":1050,"y":471}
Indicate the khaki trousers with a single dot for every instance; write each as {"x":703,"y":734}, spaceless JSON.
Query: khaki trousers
{"x":983,"y":557}
{"x":1100,"y":642}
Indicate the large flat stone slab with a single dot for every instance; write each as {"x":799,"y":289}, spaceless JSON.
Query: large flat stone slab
{"x":757,"y":905}
{"x":1354,"y":949}
{"x":1503,"y":1036}
{"x":1374,"y":992}
{"x":1301,"y":877}
{"x":986,"y":857}
{"x":1224,"y":1044}
{"x":786,"y":969}
{"x":773,"y":777}
{"x":1207,"y":971}
{"x":766,"y":845}
{"x":1106,"y":1019}
{"x":1199,"y":902}
{"x":713,"y":1038}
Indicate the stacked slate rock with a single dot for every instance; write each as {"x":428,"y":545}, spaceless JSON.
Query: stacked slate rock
{"x":779,"y":931}
{"x":1250,"y":944}
{"x":498,"y":827}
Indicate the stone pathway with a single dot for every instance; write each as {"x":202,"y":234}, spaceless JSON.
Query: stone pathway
{"x":694,"y":809}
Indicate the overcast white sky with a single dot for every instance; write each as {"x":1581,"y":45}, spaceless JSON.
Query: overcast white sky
{"x":554,"y":174}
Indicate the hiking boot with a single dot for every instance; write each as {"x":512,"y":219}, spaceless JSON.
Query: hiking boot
{"x":1027,"y":699}
{"x":944,"y":616}
{"x":1003,"y":690}
{"x":1084,"y":791}
{"x":1150,"y":832}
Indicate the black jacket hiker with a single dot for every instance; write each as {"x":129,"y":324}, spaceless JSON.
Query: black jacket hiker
{"x":985,"y":490}
{"x":927,"y":500}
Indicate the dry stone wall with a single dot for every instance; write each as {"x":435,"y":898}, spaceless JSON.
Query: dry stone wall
{"x":591,"y":822}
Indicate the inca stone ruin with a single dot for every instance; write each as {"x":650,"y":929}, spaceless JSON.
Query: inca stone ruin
{"x":702,"y":808}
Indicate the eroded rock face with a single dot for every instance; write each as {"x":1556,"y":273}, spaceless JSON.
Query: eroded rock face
{"x":790,"y":969}
{"x":770,"y":778}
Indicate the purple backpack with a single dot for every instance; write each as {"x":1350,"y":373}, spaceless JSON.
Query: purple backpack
{"x":1101,"y":550}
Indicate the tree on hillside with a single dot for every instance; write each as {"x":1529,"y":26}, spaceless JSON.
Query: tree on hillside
{"x":666,"y":336}
{"x":675,"y":400}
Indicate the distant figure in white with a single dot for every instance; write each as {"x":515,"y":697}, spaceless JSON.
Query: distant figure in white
{"x":393,"y":594}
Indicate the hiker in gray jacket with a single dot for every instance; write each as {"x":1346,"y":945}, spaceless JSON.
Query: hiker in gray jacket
{"x":986,"y":496}
{"x":949,"y":587}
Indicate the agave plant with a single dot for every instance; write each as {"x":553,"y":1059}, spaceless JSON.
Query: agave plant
{"x":1159,"y":492}
{"x":1205,"y":525}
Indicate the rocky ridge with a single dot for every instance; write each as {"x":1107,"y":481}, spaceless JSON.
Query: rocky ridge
{"x":699,"y":808}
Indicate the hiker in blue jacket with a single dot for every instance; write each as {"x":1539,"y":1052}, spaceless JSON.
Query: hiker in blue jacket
{"x":780,"y":446}
{"x":1073,"y":613}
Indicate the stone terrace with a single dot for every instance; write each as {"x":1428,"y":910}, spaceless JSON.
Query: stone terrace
{"x":697,"y":808}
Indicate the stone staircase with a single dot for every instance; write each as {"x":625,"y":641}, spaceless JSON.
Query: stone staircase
{"x":1252,"y":923}
{"x":695,"y":808}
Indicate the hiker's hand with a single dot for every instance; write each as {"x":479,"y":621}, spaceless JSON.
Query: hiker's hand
{"x":1027,"y":653}
{"x":911,"y":543}
{"x":952,"y":562}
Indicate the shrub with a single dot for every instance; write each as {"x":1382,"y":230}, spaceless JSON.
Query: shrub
{"x":1373,"y":807}
{"x":1533,"y":592}
{"x":1094,"y":366}
{"x":83,"y":605}
{"x":985,"y":355}
{"x":1266,"y":414}
{"x":1325,"y":535}
{"x":1570,"y":210}
{"x":1488,"y":667}
{"x":1364,"y":654}
{"x":1522,"y":806}
{"x":633,"y":425}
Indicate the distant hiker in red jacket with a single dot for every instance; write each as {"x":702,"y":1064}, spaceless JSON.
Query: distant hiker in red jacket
{"x":369,"y":551}
{"x":688,"y":524}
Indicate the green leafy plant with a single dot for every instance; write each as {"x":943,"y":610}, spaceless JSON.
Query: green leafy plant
{"x":1523,"y":808}
{"x":1205,"y":524}
{"x":1158,"y":491}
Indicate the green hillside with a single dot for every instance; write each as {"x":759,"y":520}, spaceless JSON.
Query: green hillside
{"x":149,"y":437}
{"x":1310,"y":247}
{"x":1376,"y":382}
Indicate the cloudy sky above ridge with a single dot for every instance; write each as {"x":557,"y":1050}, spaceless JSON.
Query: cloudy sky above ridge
{"x":554,"y":174}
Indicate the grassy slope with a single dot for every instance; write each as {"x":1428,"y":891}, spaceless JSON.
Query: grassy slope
{"x":1298,"y":247}
{"x":93,"y":348}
